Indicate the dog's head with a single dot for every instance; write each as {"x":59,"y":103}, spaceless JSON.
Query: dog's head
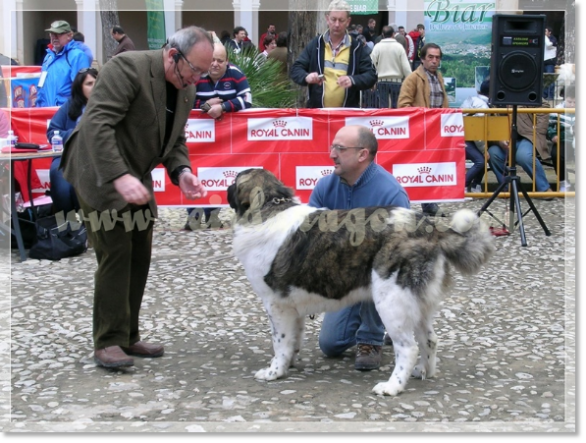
{"x":253,"y":188}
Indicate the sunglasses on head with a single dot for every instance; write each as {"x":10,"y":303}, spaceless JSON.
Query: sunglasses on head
{"x":92,"y":71}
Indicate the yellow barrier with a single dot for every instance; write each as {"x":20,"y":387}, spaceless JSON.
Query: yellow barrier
{"x":495,"y":125}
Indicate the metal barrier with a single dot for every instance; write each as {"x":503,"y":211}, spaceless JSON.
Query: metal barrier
{"x":495,"y":125}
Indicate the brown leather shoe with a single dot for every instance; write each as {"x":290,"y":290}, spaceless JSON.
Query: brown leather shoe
{"x":112,"y":357}
{"x":143,"y":349}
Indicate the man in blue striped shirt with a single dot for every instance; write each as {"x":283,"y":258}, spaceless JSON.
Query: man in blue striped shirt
{"x":224,"y":88}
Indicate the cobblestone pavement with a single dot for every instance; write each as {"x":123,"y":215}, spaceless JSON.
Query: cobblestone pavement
{"x":506,"y":351}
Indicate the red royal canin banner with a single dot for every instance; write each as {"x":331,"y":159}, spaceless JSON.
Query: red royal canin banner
{"x":423,"y":148}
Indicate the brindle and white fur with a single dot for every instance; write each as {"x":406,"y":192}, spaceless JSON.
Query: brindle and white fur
{"x":302,"y":260}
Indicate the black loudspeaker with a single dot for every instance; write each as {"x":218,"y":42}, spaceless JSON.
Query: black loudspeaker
{"x":516,"y":67}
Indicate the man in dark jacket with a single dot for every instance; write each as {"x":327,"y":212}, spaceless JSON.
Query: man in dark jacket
{"x":334,"y":66}
{"x":124,"y":42}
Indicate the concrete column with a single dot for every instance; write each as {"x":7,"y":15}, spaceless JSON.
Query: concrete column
{"x":172,"y":12}
{"x":246,"y":15}
{"x":507,"y":6}
{"x":17,"y":26}
{"x":99,"y":54}
{"x":400,"y":9}
{"x":87,"y":24}
{"x":8,"y":20}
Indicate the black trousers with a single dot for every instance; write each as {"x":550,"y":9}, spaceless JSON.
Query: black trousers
{"x":123,"y":252}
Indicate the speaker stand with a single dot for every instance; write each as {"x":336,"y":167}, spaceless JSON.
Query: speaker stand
{"x":514,"y":181}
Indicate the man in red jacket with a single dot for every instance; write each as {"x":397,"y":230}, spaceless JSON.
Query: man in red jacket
{"x":270,"y":30}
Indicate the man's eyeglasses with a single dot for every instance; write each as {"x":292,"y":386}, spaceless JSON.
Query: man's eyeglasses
{"x":193,"y":68}
{"x":340,"y":148}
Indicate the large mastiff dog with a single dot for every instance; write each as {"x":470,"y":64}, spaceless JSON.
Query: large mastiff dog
{"x":302,"y":260}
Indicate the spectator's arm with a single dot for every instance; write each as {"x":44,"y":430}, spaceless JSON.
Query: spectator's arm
{"x":59,"y":123}
{"x":300,"y":68}
{"x":243,"y":98}
{"x":405,"y":65}
{"x":407,"y":92}
{"x":78,"y":60}
{"x":366,"y":77}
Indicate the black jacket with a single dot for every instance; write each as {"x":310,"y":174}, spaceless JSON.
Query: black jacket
{"x":360,"y":69}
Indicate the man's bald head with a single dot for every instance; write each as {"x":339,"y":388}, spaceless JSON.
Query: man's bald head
{"x":220,"y":51}
{"x":219,"y":62}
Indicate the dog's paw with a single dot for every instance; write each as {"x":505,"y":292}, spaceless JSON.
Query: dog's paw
{"x":267,"y":374}
{"x":419,"y":371}
{"x":388,"y":388}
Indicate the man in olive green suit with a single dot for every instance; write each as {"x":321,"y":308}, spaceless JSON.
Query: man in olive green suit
{"x":134,"y":121}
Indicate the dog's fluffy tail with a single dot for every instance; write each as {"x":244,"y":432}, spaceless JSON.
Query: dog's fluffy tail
{"x":467,"y":244}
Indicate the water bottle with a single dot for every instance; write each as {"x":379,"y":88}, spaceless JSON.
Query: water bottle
{"x":12,"y":139}
{"x":57,"y":142}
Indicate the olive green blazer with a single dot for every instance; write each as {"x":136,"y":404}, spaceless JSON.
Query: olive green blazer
{"x":122,"y":130}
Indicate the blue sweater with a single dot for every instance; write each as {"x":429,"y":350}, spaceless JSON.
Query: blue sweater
{"x":375,"y":187}
{"x":232,"y":88}
{"x":62,"y":123}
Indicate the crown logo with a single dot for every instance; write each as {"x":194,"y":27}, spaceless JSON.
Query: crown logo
{"x":424,"y":170}
{"x":230,"y":174}
{"x":279,"y":123}
{"x":376,"y":122}
{"x":325,"y":172}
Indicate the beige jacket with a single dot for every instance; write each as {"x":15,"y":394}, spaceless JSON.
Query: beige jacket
{"x":415,"y":90}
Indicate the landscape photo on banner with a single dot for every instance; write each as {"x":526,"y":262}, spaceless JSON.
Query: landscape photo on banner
{"x":463,"y":29}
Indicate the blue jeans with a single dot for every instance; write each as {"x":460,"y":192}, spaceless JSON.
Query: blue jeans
{"x":548,"y":92}
{"x":476,"y":172}
{"x":385,"y":90}
{"x":359,"y":323}
{"x":523,"y":158}
{"x":62,"y":193}
{"x":206,"y":212}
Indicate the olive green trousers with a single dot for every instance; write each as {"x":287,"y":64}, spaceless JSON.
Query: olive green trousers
{"x":123,"y":251}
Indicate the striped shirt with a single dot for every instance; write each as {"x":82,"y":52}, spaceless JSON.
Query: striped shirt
{"x":232,"y":88}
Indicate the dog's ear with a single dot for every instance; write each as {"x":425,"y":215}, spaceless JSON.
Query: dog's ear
{"x":274,"y":188}
{"x":239,"y":192}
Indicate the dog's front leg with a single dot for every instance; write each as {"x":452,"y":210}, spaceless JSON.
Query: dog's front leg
{"x":286,"y":328}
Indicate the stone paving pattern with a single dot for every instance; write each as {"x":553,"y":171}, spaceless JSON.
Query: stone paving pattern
{"x":506,"y":349}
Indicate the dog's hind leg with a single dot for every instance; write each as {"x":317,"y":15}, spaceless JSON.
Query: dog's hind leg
{"x":427,"y":340}
{"x":399,"y":311}
{"x":299,"y":333}
{"x":287,"y":330}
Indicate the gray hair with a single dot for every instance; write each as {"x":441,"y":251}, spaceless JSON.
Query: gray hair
{"x":339,"y":5}
{"x":188,"y":37}
{"x":367,"y":140}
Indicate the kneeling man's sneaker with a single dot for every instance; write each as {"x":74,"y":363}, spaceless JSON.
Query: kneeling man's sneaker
{"x":368,"y":357}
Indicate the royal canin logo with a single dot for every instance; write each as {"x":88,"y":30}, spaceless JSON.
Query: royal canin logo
{"x":230,"y":174}
{"x":279,"y":124}
{"x":424,"y":170}
{"x":375,"y":123}
{"x":325,"y":172}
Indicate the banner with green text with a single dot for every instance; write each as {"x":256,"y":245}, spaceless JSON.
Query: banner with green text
{"x":463,"y":29}
{"x":363,"y":7}
{"x":155,"y":23}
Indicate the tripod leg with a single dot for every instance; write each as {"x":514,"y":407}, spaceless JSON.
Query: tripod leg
{"x":515,"y":203}
{"x":493,"y":196}
{"x":537,"y":215}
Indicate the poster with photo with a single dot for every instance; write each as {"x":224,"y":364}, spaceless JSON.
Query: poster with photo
{"x":463,"y":29}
